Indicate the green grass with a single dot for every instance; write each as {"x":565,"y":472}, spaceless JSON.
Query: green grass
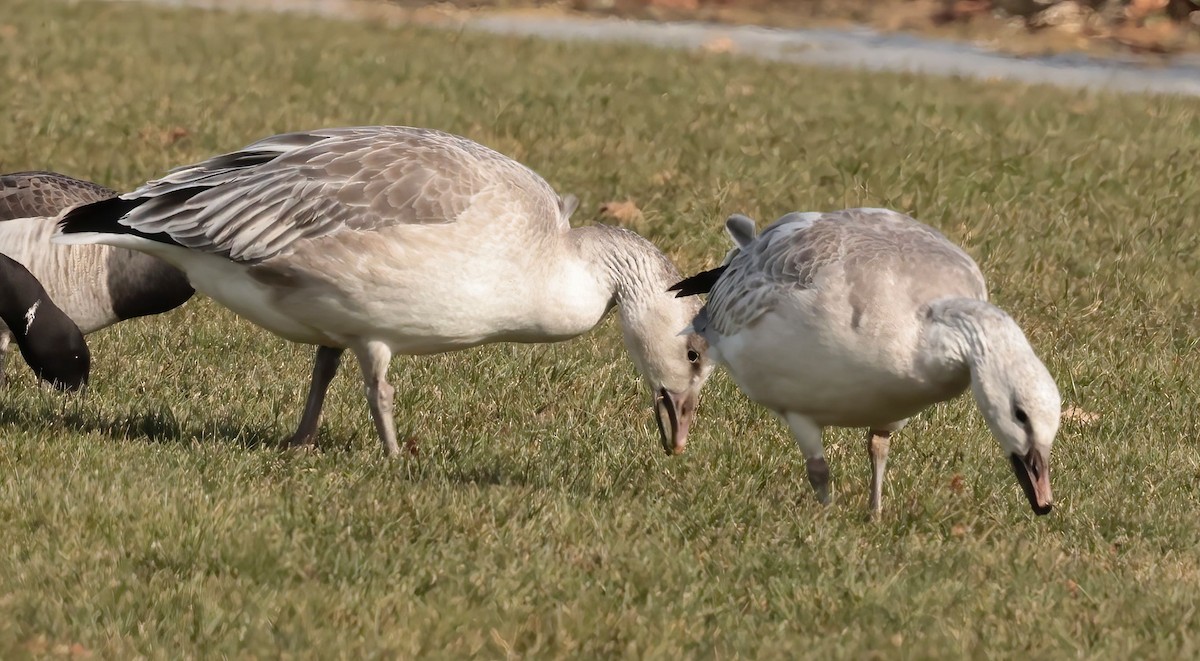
{"x":152,"y":516}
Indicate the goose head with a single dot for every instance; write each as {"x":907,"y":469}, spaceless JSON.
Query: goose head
{"x":672,"y":360}
{"x":1022,"y":406}
{"x":59,"y":357}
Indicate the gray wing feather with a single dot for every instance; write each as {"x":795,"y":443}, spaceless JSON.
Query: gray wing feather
{"x":793,"y":254}
{"x":256,"y":203}
{"x":44,"y":194}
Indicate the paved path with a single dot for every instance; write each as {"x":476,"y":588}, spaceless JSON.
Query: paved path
{"x":851,"y":48}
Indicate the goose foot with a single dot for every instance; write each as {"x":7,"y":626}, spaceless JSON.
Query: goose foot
{"x":818,"y":477}
{"x":324,"y":368}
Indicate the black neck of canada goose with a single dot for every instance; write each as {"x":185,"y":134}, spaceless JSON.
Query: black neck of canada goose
{"x":50,"y":342}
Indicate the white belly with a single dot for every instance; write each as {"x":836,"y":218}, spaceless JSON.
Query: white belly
{"x":836,"y":377}
{"x":445,"y":296}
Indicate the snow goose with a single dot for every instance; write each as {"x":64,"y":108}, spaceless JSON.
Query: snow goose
{"x":49,"y":341}
{"x":387,"y":240}
{"x":96,"y":286}
{"x":862,"y":318}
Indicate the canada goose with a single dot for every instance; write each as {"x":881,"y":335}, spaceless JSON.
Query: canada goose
{"x":96,"y":286}
{"x":386,"y":240}
{"x":49,"y":341}
{"x":862,"y":318}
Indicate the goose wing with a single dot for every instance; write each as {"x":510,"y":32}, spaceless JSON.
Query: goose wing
{"x":256,"y":203}
{"x":45,"y":194}
{"x":858,"y":246}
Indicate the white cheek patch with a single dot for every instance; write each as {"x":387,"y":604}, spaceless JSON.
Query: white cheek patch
{"x":31,"y":314}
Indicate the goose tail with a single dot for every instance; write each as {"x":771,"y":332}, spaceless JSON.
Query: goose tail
{"x":101,"y":222}
{"x":701,"y":283}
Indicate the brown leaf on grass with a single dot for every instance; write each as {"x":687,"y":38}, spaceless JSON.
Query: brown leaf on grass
{"x":1076,"y":414}
{"x":411,"y":447}
{"x":164,"y":137}
{"x":958,"y":530}
{"x":1072,"y":587}
{"x":957,"y":483}
{"x":8,"y":31}
{"x":623,"y":212}
{"x":720,"y":45}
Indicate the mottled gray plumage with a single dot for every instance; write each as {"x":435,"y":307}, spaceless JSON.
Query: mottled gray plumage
{"x":258,"y":202}
{"x":864,"y":317}
{"x":857,"y":245}
{"x":39,"y":193}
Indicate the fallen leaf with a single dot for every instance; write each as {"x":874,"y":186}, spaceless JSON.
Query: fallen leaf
{"x":959,"y":530}
{"x":411,"y":447}
{"x":957,"y":483}
{"x":1076,"y":414}
{"x":622,"y":212}
{"x":1072,"y":587}
{"x":166,"y":137}
{"x":8,"y":31}
{"x":720,"y":45}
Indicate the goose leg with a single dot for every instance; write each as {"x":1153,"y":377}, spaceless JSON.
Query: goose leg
{"x":5,"y":339}
{"x":374,"y":358}
{"x":878,"y":442}
{"x":808,"y":437}
{"x":324,"y":368}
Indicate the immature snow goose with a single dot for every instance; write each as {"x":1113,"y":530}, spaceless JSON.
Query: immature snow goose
{"x":96,"y":286}
{"x":862,"y":318}
{"x":49,"y":341}
{"x":386,"y":240}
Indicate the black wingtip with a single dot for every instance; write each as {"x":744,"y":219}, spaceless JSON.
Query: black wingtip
{"x":104,"y":216}
{"x":101,"y":216}
{"x":701,"y":283}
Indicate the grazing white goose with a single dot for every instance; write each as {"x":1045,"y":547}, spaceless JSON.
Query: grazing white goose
{"x":862,"y":318}
{"x":49,"y":341}
{"x":388,"y":240}
{"x":96,"y":286}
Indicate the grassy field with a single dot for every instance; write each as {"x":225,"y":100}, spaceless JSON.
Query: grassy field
{"x":535,"y":514}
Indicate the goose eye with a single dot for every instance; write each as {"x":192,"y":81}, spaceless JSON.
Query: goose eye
{"x":693,"y":356}
{"x":1021,"y":416}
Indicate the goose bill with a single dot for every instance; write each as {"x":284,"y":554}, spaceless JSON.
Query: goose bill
{"x":673,"y":412}
{"x":1033,"y":472}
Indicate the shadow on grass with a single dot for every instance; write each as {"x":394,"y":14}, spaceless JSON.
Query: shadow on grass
{"x":162,"y":426}
{"x":155,"y":426}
